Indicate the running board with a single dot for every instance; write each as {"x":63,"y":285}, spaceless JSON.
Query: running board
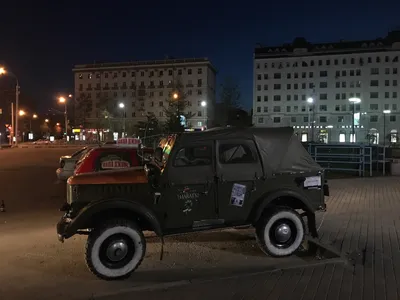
{"x":208,"y":223}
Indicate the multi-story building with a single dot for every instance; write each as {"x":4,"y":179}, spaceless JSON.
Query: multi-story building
{"x":144,"y":88}
{"x":308,"y":86}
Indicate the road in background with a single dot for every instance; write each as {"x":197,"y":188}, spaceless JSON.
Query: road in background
{"x":34,"y":265}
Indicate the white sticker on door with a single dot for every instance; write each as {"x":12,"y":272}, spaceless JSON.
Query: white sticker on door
{"x":238,"y":194}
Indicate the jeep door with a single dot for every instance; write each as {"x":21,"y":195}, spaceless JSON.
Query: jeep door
{"x":190,"y":192}
{"x":238,"y":172}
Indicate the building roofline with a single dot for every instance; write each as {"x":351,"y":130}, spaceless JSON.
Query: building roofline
{"x":321,"y":53}
{"x":301,"y":47}
{"x":144,"y":64}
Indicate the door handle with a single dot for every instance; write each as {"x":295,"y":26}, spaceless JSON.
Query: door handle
{"x":221,"y":178}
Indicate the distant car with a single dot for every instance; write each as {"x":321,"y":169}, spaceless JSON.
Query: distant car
{"x":112,"y":156}
{"x":41,"y":142}
{"x":68,"y":162}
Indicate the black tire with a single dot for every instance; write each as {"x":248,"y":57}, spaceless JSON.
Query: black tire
{"x":275,"y":227}
{"x":115,"y":250}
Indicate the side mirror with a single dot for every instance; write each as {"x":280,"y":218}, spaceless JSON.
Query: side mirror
{"x":158,"y":154}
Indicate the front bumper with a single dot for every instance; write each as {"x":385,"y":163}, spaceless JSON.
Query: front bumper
{"x":63,"y":174}
{"x":326,"y":190}
{"x":64,"y":223}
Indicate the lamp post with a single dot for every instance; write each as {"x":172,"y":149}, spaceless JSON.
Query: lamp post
{"x":64,"y":101}
{"x":385,"y":112}
{"x":21,"y":113}
{"x":3,"y":71}
{"x":353,"y":101}
{"x":204,"y":105}
{"x":310,"y":101}
{"x":122,"y":106}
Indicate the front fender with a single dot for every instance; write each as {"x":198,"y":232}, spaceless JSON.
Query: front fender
{"x":268,"y":198}
{"x":82,"y":220}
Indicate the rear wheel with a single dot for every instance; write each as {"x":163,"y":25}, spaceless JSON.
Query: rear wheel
{"x":115,"y":250}
{"x":280,"y":232}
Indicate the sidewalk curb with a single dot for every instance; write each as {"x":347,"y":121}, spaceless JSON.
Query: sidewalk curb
{"x":166,"y":285}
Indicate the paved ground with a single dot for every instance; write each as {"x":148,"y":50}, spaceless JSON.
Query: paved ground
{"x":363,"y":214}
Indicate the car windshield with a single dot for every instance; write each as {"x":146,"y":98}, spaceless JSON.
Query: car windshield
{"x":167,"y":145}
{"x":86,"y":154}
{"x":80,"y":151}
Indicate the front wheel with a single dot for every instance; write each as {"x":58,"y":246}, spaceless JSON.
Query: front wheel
{"x":115,"y":250}
{"x":280,"y":232}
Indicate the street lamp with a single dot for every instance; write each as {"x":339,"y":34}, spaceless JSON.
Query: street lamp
{"x":3,"y":71}
{"x":64,"y":100}
{"x":21,"y":113}
{"x":353,"y":100}
{"x":310,"y":100}
{"x":122,"y":106}
{"x":385,"y":112}
{"x":175,"y":96}
{"x":204,"y":105}
{"x":46,"y":120}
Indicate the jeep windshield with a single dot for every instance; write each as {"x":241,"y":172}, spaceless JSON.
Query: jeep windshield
{"x":167,"y":145}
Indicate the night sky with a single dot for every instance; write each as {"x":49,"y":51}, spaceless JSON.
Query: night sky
{"x":42,"y":42}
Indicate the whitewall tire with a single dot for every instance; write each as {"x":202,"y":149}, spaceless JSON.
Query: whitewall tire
{"x":115,"y":250}
{"x":280,"y":232}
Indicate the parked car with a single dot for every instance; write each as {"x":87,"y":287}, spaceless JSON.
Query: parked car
{"x":197,"y":181}
{"x":113,"y":156}
{"x":41,"y":142}
{"x":68,"y":162}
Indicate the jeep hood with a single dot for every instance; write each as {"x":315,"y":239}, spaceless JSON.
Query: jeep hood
{"x":122,"y":176}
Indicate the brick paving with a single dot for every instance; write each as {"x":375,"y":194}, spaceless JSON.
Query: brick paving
{"x":363,"y":214}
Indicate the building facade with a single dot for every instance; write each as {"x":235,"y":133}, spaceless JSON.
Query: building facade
{"x":138,"y":89}
{"x":308,"y":86}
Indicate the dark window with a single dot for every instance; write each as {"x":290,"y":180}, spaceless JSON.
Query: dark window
{"x":236,"y":154}
{"x":193,"y":156}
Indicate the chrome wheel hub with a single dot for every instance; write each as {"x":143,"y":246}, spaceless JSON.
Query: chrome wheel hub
{"x":117,"y":250}
{"x":283,"y":233}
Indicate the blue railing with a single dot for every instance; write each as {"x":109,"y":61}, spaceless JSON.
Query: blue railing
{"x":360,"y":159}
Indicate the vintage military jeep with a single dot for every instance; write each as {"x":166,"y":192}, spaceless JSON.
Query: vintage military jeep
{"x":198,"y":181}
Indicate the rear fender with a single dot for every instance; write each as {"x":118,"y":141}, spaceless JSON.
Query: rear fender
{"x":267,"y":199}
{"x":87,"y":214}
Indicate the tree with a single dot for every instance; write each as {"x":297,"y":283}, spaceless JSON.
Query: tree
{"x":229,"y":99}
{"x":176,"y":117}
{"x":45,"y":129}
{"x":104,"y":115}
{"x":83,"y":107}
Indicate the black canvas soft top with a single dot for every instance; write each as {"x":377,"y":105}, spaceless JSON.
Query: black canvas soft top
{"x":280,"y":150}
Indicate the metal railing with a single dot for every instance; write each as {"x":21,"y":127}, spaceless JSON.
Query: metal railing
{"x":360,"y":159}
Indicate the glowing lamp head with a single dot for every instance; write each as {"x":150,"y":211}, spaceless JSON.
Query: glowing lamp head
{"x":121,"y":105}
{"x":203,"y":103}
